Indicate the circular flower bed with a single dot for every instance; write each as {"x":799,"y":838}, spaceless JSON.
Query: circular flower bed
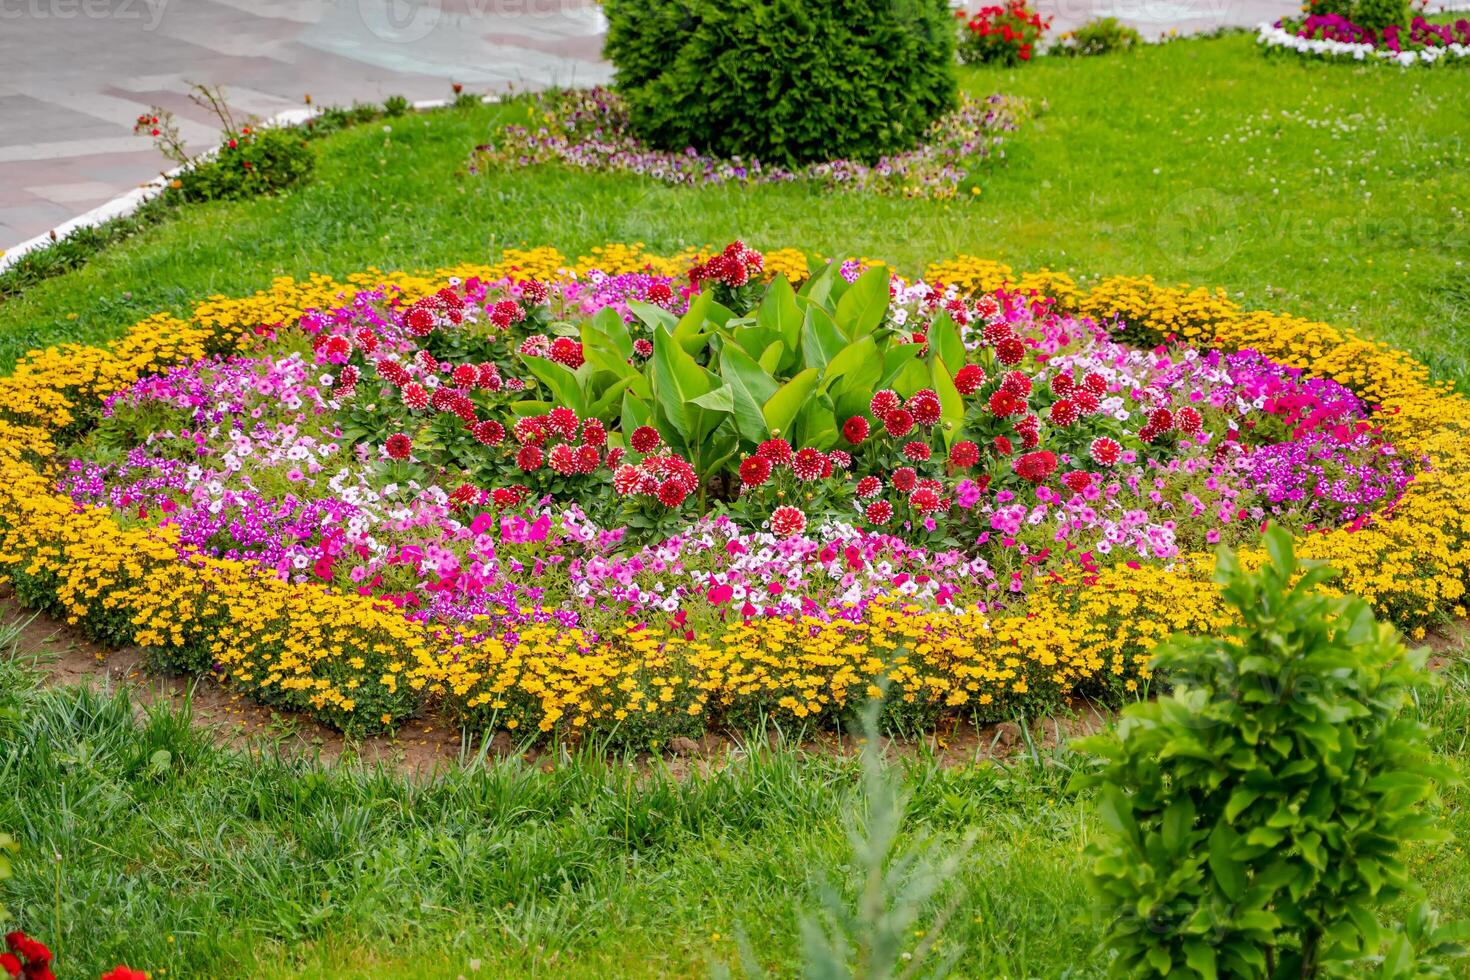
{"x":635,"y":497}
{"x":1334,"y":36}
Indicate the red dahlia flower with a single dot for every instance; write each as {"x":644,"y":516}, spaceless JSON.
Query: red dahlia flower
{"x":1035,"y":467}
{"x":1188,"y":420}
{"x":809,"y":464}
{"x":778,"y":451}
{"x":786,"y":521}
{"x":924,"y":500}
{"x":1010,"y":351}
{"x":898,"y":423}
{"x":879,"y":512}
{"x":917,"y":452}
{"x":645,"y":439}
{"x":855,"y":430}
{"x":671,"y":492}
{"x":1063,"y":412}
{"x":1105,"y":451}
{"x":755,"y":470}
{"x":465,"y":375}
{"x":565,"y":350}
{"x":924,"y":406}
{"x":869,"y":487}
{"x":399,"y":446}
{"x":883,"y":402}
{"x":488,"y":432}
{"x":904,"y":479}
{"x":968,"y":379}
{"x":530,"y":458}
{"x":562,"y":421}
{"x":964,"y":454}
{"x":563,"y":459}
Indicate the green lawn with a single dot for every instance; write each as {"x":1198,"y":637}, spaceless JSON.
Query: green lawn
{"x":1333,"y":191}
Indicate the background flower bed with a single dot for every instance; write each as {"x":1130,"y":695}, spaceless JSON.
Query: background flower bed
{"x":361,"y":665}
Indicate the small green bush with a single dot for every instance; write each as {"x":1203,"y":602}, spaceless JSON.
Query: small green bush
{"x":249,"y":163}
{"x":1254,"y":820}
{"x":1378,"y":14}
{"x":784,"y":81}
{"x":1102,"y":35}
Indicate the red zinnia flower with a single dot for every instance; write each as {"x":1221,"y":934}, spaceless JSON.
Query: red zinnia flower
{"x":755,"y":470}
{"x":399,"y":446}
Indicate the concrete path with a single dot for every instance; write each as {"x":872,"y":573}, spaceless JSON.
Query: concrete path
{"x":77,"y":74}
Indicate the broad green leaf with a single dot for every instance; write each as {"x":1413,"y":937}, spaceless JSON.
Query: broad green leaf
{"x":771,"y":357}
{"x":951,"y":405}
{"x":944,"y":340}
{"x":781,"y":408}
{"x":856,"y":366}
{"x":562,"y":383}
{"x":820,"y":339}
{"x":895,"y":359}
{"x":1227,"y":871}
{"x":1199,"y":956}
{"x":752,"y":387}
{"x":635,"y":413}
{"x":864,"y":305}
{"x":780,"y":313}
{"x":652,"y":316}
{"x":722,"y":399}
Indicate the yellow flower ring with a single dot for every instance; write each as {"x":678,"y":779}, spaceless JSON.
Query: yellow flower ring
{"x":356,"y":663}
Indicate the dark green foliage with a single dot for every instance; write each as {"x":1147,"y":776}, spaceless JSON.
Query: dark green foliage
{"x":784,"y":81}
{"x":248,"y":164}
{"x":1254,"y":821}
{"x":1378,"y":14}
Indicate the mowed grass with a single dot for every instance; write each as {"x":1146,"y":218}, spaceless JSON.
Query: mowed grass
{"x":1332,"y":191}
{"x":144,"y":842}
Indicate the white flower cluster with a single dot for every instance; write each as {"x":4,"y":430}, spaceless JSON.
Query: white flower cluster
{"x":1276,"y":37}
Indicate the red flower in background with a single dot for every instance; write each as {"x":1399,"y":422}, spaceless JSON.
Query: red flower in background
{"x":399,"y":446}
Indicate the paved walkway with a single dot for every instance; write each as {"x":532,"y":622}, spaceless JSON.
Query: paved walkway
{"x":77,"y":73}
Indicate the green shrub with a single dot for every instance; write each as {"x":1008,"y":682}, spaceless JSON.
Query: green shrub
{"x":1378,"y":14}
{"x":1254,"y":820}
{"x":249,"y":163}
{"x":1102,"y":35}
{"x":784,"y":81}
